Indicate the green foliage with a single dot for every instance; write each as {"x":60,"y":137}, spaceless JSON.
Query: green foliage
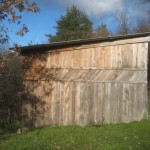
{"x":74,"y":25}
{"x":11,"y":12}
{"x":12,"y":93}
{"x":98,"y":124}
{"x":14,"y":126}
{"x":149,"y":106}
{"x":135,"y":135}
{"x":94,"y":124}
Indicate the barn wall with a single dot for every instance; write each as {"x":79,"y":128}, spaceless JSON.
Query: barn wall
{"x":96,"y":82}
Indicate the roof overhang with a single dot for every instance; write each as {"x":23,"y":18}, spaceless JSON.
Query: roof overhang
{"x":55,"y":45}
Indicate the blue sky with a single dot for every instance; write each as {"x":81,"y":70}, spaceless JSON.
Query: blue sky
{"x":98,"y":11}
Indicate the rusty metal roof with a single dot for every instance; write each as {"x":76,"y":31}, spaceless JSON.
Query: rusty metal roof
{"x":81,"y":41}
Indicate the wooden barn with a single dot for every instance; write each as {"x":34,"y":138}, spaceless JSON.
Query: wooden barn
{"x":75,"y":82}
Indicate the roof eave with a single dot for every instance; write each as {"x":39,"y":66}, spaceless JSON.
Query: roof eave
{"x":82,"y":41}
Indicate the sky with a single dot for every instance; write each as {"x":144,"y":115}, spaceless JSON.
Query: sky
{"x":44,"y":22}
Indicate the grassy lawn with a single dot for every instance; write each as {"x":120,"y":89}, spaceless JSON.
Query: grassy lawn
{"x":149,"y":107}
{"x":135,"y":135}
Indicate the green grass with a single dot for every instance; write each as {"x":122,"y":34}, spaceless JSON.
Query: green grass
{"x":149,"y":107}
{"x":135,"y":135}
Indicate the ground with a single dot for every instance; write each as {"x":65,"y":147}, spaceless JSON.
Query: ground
{"x":135,"y":135}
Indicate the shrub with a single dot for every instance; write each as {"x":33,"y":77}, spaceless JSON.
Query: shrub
{"x":13,"y":126}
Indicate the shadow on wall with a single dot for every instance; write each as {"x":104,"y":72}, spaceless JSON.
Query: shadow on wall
{"x":35,"y":111}
{"x":21,"y":98}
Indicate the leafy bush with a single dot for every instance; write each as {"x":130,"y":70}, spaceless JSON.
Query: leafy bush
{"x":92,"y":123}
{"x":14,"y":126}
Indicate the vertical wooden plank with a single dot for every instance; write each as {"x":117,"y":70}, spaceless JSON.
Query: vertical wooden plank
{"x":135,"y":95}
{"x":138,"y":99}
{"x":112,"y":56}
{"x":139,"y":57}
{"x":116,"y":49}
{"x":124,"y":50}
{"x":120,"y":102}
{"x":48,"y":94}
{"x":56,"y":57}
{"x":106,"y":50}
{"x":53,"y":104}
{"x":93,"y":57}
{"x":70,"y":107}
{"x":119,"y":61}
{"x":132,"y":101}
{"x":130,"y":55}
{"x":96,"y":106}
{"x":57,"y":103}
{"x":100,"y":57}
{"x":52,"y":59}
{"x":113,"y":103}
{"x":60,"y":59}
{"x":82,"y":60}
{"x":70,"y":59}
{"x":83,"y":103}
{"x":144,"y":47}
{"x":74,"y":59}
{"x":144,"y":102}
{"x":66,"y":104}
{"x":142,"y":55}
{"x":86,"y":57}
{"x":73,"y":101}
{"x":90,"y":97}
{"x":82,"y":92}
{"x":107,"y":99}
{"x":77,"y":104}
{"x":97,"y":49}
{"x":145,"y":55}
{"x":65,"y":55}
{"x":48,"y":65}
{"x":61,"y":122}
{"x":125,"y":102}
{"x":89,"y":57}
{"x":100,"y":102}
{"x":134,"y":59}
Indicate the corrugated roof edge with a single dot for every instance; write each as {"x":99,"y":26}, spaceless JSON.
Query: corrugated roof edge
{"x":82,"y":41}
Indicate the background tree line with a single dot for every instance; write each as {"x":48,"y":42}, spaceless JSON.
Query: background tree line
{"x":75,"y":24}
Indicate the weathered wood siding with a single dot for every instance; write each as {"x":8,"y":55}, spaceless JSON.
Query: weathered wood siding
{"x":93,"y":82}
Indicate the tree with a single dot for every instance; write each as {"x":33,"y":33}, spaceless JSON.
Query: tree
{"x":10,"y":10}
{"x":142,"y":26}
{"x":74,"y":25}
{"x":124,"y":25}
{"x":143,"y":23}
{"x":12,"y":92}
{"x":145,"y":1}
{"x":101,"y":31}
